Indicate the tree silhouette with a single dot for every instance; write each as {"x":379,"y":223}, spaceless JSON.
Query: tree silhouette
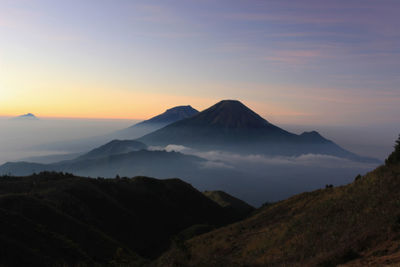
{"x":395,"y":156}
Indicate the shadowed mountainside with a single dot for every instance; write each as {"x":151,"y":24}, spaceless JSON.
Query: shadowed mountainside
{"x":356,"y":225}
{"x":149,"y":163}
{"x":169,"y":116}
{"x":231,"y":126}
{"x":54,"y":218}
{"x":232,"y":204}
{"x":113,"y":148}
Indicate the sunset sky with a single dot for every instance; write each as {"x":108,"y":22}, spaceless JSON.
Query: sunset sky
{"x":307,"y":61}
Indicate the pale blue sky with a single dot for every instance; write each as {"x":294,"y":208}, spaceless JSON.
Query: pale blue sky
{"x":307,"y":61}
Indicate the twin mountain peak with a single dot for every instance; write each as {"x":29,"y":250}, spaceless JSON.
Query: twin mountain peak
{"x":224,"y":121}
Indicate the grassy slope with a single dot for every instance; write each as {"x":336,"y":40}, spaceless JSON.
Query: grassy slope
{"x":238,"y":208}
{"x":356,"y":224}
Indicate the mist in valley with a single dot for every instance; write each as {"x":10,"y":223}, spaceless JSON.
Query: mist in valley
{"x":21,"y":139}
{"x":254,"y":178}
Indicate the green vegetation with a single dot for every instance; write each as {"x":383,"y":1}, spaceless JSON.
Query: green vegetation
{"x":357,"y":225}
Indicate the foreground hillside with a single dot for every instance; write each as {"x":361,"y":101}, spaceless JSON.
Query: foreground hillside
{"x":51,"y":218}
{"x":357,"y":224}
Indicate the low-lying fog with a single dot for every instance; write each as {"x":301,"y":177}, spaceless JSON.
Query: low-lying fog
{"x":270,"y":178}
{"x":375,"y":141}
{"x":18,"y":137}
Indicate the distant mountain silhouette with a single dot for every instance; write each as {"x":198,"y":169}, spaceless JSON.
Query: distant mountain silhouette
{"x":113,"y":148}
{"x":169,"y":116}
{"x":149,"y":163}
{"x":27,"y":116}
{"x":230,"y":125}
{"x":133,"y":132}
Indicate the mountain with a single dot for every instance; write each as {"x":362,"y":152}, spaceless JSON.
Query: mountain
{"x":229,"y":125}
{"x":133,"y":132}
{"x":55,"y":219}
{"x":46,"y":159}
{"x":113,"y":148}
{"x":27,"y":116}
{"x":160,"y":164}
{"x":169,"y":116}
{"x":353,"y":225}
{"x":254,"y":182}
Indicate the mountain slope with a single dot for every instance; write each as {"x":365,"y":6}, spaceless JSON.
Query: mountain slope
{"x":226,"y":122}
{"x":52,"y":218}
{"x":135,"y":131}
{"x":169,"y":116}
{"x":114,"y":147}
{"x":161,"y":164}
{"x":231,"y":126}
{"x":357,"y":224}
{"x":235,"y":206}
{"x":27,"y":116}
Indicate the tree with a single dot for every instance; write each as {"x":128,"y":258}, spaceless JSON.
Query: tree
{"x":395,"y":156}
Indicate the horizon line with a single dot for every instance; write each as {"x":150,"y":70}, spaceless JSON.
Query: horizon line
{"x":73,"y":117}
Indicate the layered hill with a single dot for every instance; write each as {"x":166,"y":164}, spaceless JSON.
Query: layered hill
{"x":231,"y":126}
{"x":353,"y":225}
{"x":113,"y":148}
{"x":160,"y":164}
{"x":54,"y":219}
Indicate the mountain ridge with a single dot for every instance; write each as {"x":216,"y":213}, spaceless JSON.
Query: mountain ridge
{"x":135,"y":131}
{"x":171,"y":115}
{"x":230,"y":125}
{"x":27,"y":116}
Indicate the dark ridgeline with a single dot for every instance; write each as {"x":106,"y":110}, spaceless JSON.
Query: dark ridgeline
{"x":113,"y":148}
{"x":231,"y":126}
{"x":53,"y":218}
{"x":160,"y":164}
{"x":356,"y":224}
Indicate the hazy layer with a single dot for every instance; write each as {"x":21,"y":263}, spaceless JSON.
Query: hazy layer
{"x":374,"y":141}
{"x":254,"y":178}
{"x":17,"y":137}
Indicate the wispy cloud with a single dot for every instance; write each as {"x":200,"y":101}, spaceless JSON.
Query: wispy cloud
{"x":222,"y":159}
{"x":293,"y":56}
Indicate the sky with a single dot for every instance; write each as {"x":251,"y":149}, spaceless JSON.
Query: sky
{"x":301,"y":62}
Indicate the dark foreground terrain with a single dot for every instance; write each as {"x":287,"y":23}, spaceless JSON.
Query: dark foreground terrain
{"x":58,"y":219}
{"x":54,"y":219}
